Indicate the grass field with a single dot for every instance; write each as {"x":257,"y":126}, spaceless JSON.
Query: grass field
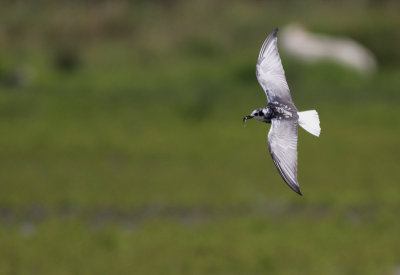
{"x":122,"y":148}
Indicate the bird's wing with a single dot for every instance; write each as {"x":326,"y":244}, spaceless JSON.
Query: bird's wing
{"x":269,"y":71}
{"x":282,"y":145}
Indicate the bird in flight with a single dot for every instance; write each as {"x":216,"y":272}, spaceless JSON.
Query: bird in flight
{"x":281,"y":113}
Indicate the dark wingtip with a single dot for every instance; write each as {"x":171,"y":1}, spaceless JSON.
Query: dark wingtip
{"x":297,"y":190}
{"x":276,"y":31}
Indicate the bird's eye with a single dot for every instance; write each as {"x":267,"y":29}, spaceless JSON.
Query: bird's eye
{"x":260,"y":113}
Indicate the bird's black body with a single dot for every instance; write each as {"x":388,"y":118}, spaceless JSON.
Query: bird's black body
{"x":277,"y":110}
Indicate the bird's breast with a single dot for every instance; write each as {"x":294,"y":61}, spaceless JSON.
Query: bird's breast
{"x":283,"y":111}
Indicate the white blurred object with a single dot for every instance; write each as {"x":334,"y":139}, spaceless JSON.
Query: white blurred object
{"x":313,"y":47}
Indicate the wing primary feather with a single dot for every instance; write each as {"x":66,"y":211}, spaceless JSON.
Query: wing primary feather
{"x":271,"y":36}
{"x":292,"y":185}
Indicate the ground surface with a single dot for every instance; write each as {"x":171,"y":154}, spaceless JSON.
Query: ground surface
{"x":122,"y":148}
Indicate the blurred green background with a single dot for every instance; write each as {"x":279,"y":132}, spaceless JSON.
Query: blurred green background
{"x":122,"y":149}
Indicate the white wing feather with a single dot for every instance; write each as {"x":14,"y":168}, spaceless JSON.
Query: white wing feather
{"x":282,"y":145}
{"x":269,"y":71}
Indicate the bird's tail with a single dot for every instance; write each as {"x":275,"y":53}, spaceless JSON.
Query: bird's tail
{"x":309,"y":121}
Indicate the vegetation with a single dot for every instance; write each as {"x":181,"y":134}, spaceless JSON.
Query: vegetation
{"x":122,"y":148}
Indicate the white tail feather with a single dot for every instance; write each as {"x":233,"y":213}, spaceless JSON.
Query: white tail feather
{"x":309,"y":121}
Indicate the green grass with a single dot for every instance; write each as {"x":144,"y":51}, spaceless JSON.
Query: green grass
{"x":138,"y":162}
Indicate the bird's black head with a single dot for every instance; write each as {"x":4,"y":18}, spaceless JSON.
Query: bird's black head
{"x":257,"y":114}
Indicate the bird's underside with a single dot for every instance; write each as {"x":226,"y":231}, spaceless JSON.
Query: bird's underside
{"x":280,"y":112}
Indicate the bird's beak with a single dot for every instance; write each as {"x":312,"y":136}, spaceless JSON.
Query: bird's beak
{"x":246,"y":118}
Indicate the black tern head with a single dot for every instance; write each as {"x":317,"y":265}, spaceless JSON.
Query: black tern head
{"x":281,"y":112}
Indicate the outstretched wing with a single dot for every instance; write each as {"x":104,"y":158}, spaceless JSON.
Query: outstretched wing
{"x":269,"y":71}
{"x":282,"y":145}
